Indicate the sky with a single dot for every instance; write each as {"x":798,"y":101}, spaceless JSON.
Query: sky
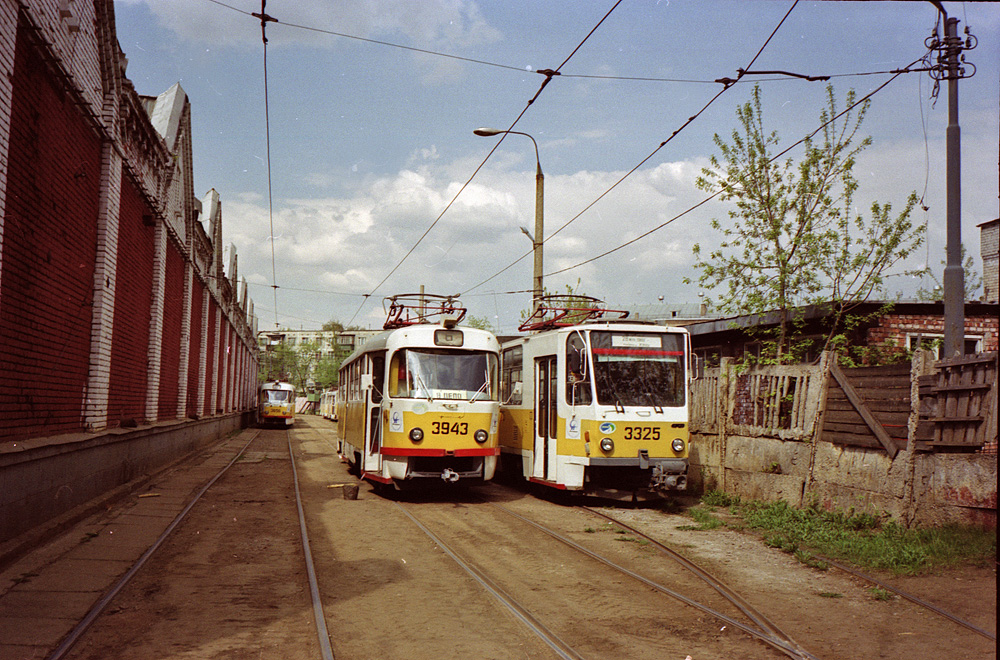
{"x":378,"y":186}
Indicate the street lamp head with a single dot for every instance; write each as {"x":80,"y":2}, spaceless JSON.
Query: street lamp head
{"x":487,"y":132}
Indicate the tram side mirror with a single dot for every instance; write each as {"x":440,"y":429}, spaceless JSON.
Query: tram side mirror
{"x":518,"y":387}
{"x":366,"y":381}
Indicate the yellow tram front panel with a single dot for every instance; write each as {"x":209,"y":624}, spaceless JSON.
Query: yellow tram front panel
{"x":629,"y":438}
{"x":441,"y":433}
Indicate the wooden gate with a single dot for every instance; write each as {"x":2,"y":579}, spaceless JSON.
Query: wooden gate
{"x":958,"y":404}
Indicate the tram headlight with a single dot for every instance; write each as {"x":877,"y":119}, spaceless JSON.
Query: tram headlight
{"x":607,"y":445}
{"x":481,"y":436}
{"x":416,"y":434}
{"x":677,"y":445}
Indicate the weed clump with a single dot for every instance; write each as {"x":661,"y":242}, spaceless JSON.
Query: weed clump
{"x":864,"y":539}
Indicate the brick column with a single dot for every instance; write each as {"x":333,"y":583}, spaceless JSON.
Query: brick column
{"x":206,"y":298}
{"x":156,"y":321}
{"x":182,"y":372}
{"x":8,"y":39}
{"x":95,"y":404}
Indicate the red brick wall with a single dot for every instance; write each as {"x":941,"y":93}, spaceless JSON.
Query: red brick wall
{"x":133,"y":304}
{"x":897,"y":326}
{"x":49,"y":254}
{"x":171,"y":349}
{"x":197,"y":302}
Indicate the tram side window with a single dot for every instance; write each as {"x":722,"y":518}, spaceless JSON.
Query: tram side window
{"x":577,"y":371}
{"x":378,"y":376}
{"x":511,"y":374}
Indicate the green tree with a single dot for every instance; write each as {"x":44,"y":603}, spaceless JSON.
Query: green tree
{"x":334,"y":326}
{"x":973,"y":281}
{"x":481,"y":322}
{"x":794,"y":236}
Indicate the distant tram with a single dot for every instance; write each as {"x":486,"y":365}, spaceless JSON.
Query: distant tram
{"x":596,"y":406}
{"x":328,"y":405}
{"x":276,"y":403}
{"x":419,"y":402}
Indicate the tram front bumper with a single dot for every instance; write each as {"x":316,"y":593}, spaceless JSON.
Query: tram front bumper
{"x":666,"y":474}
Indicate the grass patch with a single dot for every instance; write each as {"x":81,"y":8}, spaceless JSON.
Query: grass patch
{"x":863,"y":539}
{"x":878,"y":593}
{"x":705,"y":517}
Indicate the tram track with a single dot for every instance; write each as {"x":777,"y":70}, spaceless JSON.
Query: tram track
{"x":759,"y":618}
{"x":74,"y":635}
{"x":764,"y":631}
{"x":69,"y":646}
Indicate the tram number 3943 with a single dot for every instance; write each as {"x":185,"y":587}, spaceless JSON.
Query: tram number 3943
{"x":446,"y":428}
{"x":642,"y":433}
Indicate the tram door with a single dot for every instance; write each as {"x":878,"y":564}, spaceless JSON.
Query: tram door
{"x":546,"y":396}
{"x":373,"y":436}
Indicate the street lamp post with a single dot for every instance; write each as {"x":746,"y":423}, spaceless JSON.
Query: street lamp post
{"x":539,"y":214}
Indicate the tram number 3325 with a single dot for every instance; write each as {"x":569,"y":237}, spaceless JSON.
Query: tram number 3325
{"x":642,"y":433}
{"x":446,"y":428}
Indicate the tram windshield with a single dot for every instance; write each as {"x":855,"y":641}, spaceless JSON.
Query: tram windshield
{"x":427,"y":373}
{"x":275,"y":396}
{"x":638,"y":369}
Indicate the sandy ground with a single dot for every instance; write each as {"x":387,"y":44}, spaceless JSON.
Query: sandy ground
{"x":231,"y":581}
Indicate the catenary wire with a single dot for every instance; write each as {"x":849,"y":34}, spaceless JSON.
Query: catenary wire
{"x":707,"y":199}
{"x":549,"y":75}
{"x":687,"y":123}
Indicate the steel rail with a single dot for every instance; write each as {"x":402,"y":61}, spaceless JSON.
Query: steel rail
{"x":779,"y":644}
{"x":317,"y":603}
{"x":910,"y":597}
{"x":95,"y":611}
{"x":562,"y":649}
{"x":736,"y":599}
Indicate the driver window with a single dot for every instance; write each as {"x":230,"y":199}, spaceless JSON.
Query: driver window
{"x":577,"y":371}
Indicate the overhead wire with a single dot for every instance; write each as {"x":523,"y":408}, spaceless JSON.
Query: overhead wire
{"x":688,"y":122}
{"x":716,"y":194}
{"x":264,"y":20}
{"x":549,"y":74}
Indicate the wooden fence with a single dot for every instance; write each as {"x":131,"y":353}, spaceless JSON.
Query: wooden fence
{"x":958,"y":405}
{"x":868,"y":407}
{"x":775,"y":401}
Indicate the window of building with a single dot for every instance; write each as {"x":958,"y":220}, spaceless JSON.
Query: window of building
{"x":935,"y":343}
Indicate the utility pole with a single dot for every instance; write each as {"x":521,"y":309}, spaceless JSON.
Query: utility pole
{"x":951,"y":66}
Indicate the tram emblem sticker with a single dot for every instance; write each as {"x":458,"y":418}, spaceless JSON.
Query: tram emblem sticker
{"x":396,"y":422}
{"x":573,"y":428}
{"x":607,"y":428}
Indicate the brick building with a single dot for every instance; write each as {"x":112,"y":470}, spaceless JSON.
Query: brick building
{"x":116,"y":309}
{"x":989,"y":250}
{"x":889,"y":326}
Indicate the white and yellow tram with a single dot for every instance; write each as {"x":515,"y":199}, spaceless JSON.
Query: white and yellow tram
{"x":327,"y":405}
{"x":276,"y":403}
{"x":420,"y":400}
{"x":599,"y":408}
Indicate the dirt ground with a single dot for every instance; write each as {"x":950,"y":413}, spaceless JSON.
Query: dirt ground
{"x":231,"y":582}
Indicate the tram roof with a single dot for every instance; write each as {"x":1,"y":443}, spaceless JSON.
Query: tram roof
{"x":380,"y":341}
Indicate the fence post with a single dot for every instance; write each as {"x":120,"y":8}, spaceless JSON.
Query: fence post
{"x":724,"y":410}
{"x":922,"y":364}
{"x":826,"y":361}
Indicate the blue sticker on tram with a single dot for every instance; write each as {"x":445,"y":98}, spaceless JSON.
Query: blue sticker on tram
{"x":607,"y":427}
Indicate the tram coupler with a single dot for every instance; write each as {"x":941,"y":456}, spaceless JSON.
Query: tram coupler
{"x":664,"y":480}
{"x":449,"y":476}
